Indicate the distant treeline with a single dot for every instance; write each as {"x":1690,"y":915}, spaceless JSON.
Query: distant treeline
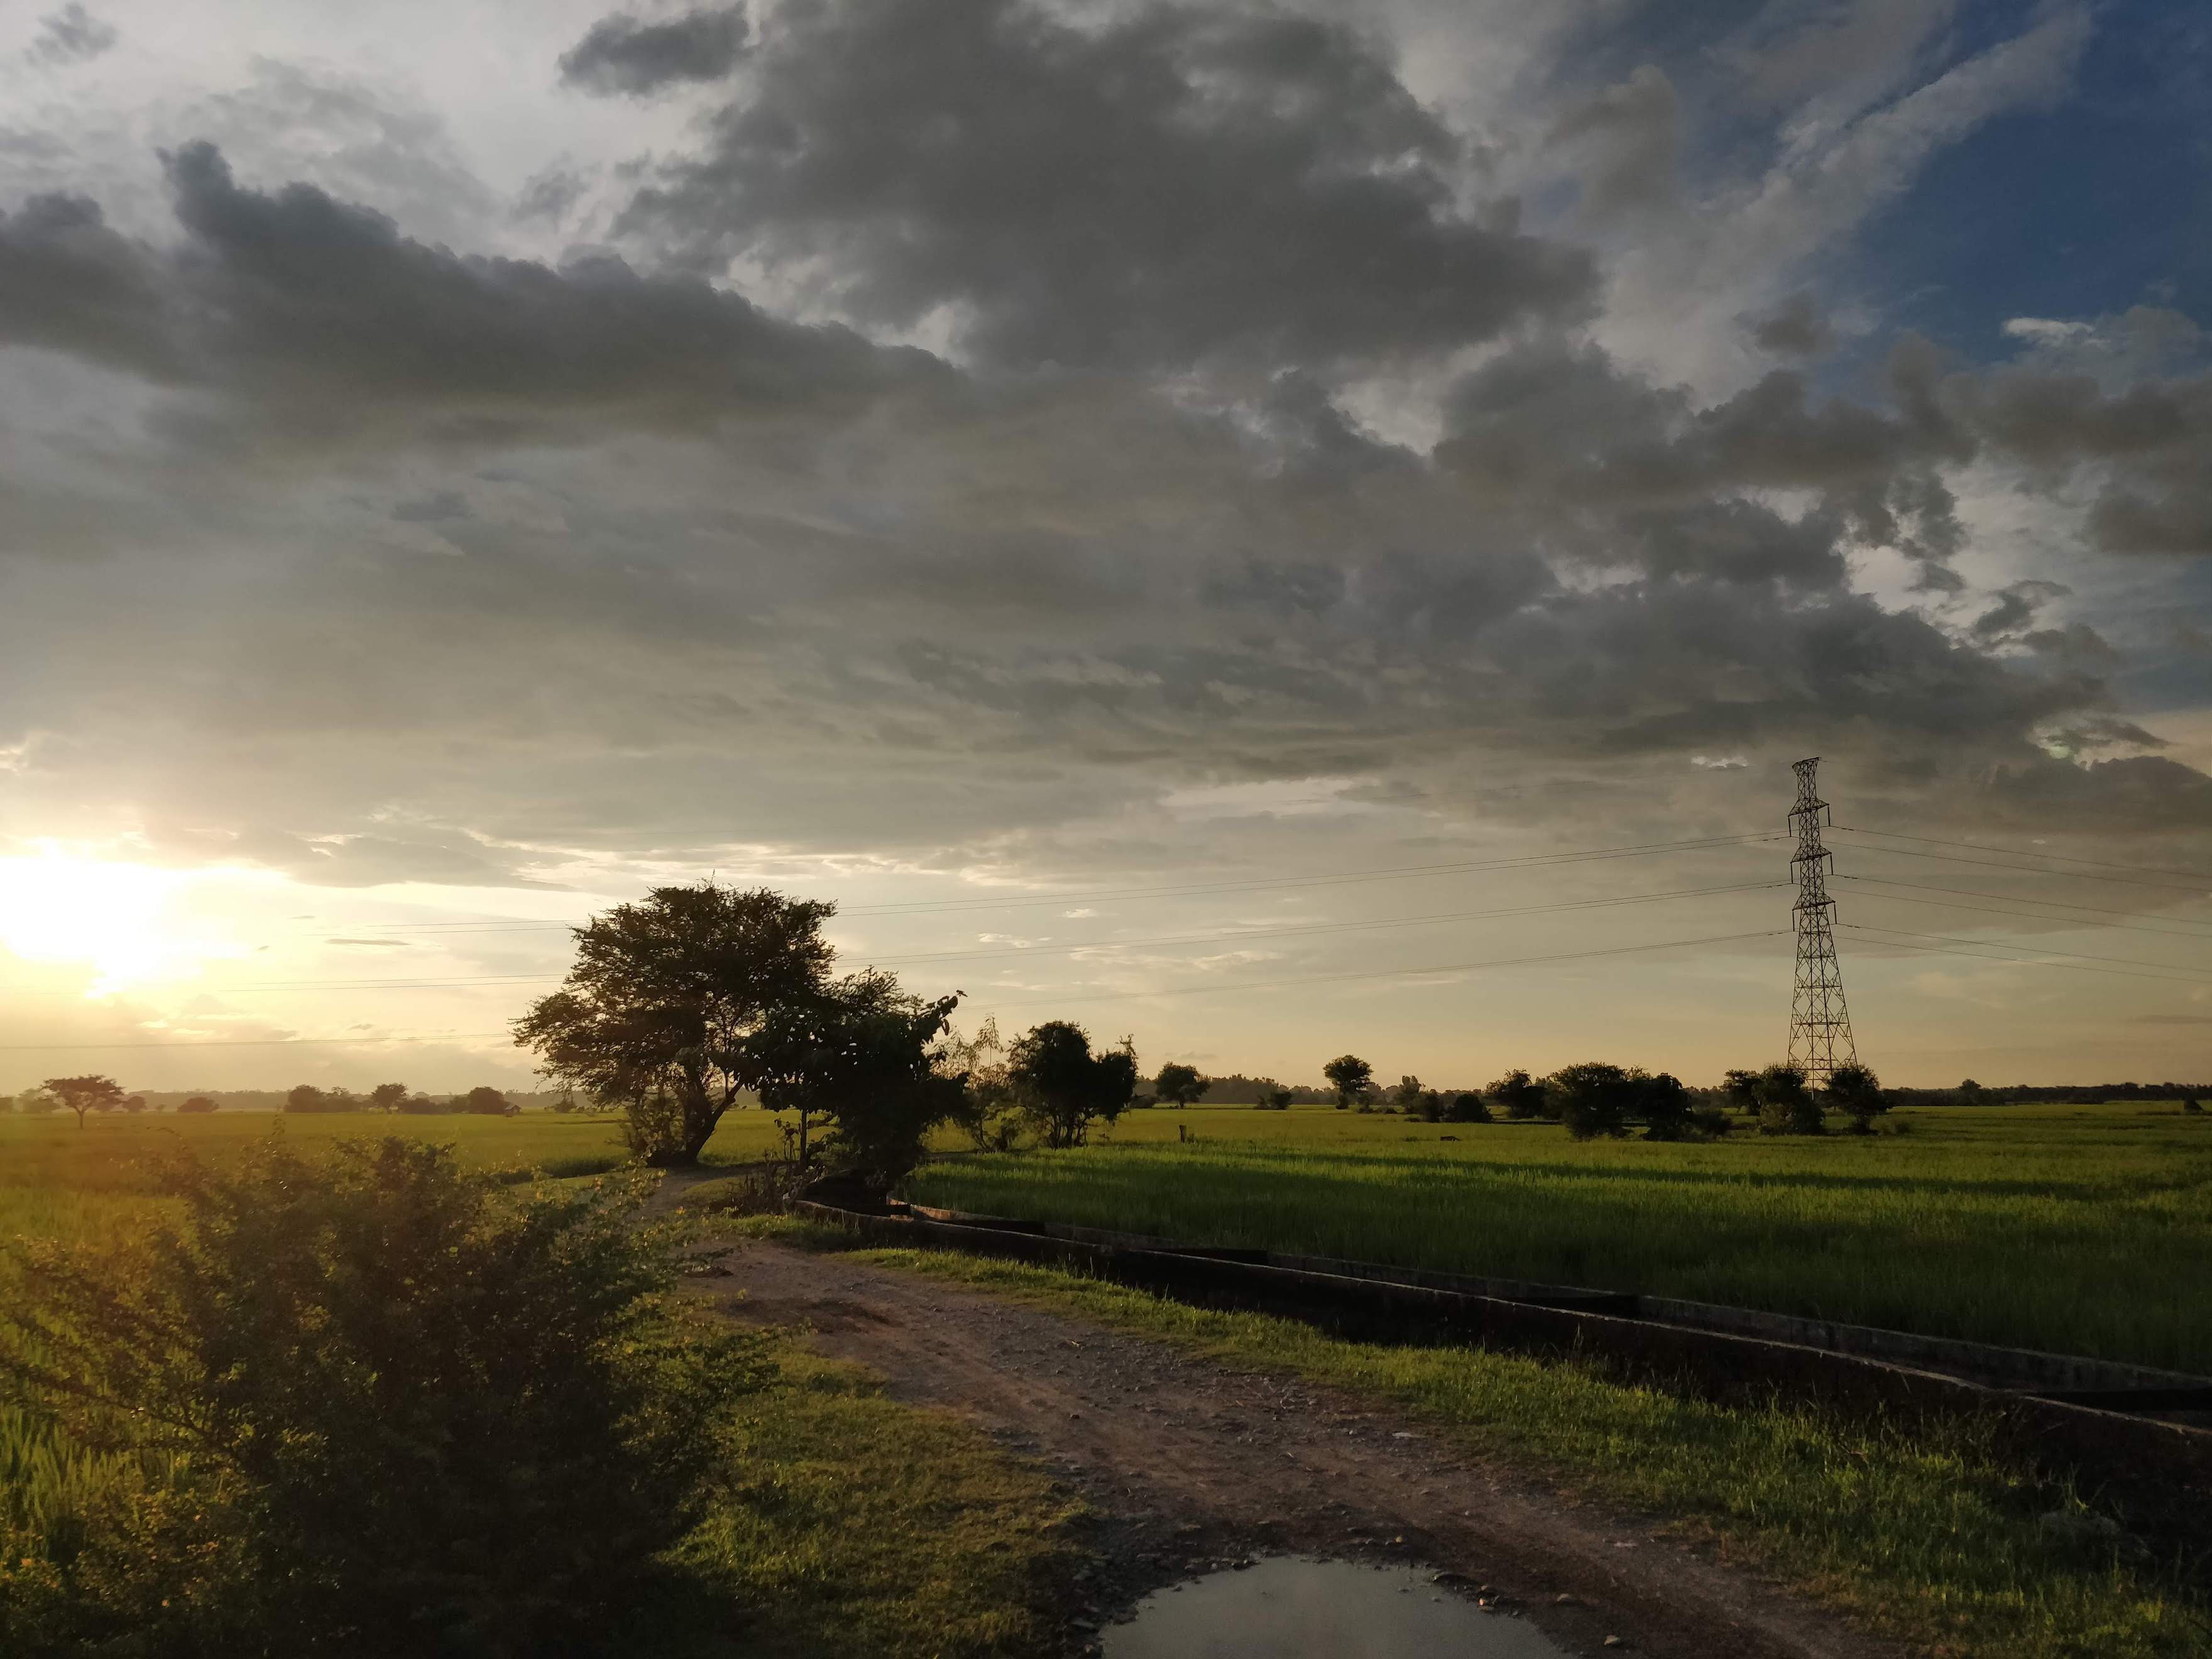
{"x":305,"y":1098}
{"x":1237,"y":1090}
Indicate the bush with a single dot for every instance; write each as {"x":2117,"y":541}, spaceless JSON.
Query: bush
{"x":418,"y":1414}
{"x":1593,"y":1098}
{"x":1712,"y":1122}
{"x":195,"y":1104}
{"x":1786,"y":1106}
{"x":1468,"y":1107}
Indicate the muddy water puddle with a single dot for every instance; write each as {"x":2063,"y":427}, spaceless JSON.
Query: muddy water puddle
{"x":1289,"y":1608}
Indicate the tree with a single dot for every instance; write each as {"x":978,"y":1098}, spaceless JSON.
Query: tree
{"x":1593,"y":1098}
{"x":1352,"y":1079}
{"x":387,"y":1096}
{"x":658,"y":1014}
{"x":1274,"y":1098}
{"x":1663,"y":1104}
{"x":1468,"y":1107}
{"x":37,"y":1102}
{"x":1856,"y":1091}
{"x":1742,"y":1089}
{"x":305,"y":1097}
{"x":195,"y":1103}
{"x":872,"y":1062}
{"x":1407,"y":1096}
{"x":81,"y":1095}
{"x":485,"y":1101}
{"x":134,"y":1105}
{"x":1181,"y":1083}
{"x":1786,"y":1106}
{"x":1519,"y":1095}
{"x":1063,"y":1087}
{"x":423,"y":1106}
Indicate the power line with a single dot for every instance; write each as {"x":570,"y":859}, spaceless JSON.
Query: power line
{"x":2066,"y":922}
{"x":2026,"y":853}
{"x":1390,"y":973}
{"x":1062,"y":997}
{"x":2181,"y":977}
{"x":935,"y":907}
{"x":2023,"y":870}
{"x":1236,"y":937}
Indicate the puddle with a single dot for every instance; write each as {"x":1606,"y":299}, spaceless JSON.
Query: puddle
{"x":1287,"y":1608}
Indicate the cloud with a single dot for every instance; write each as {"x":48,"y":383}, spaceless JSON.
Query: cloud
{"x":1153,"y":188}
{"x":2043,"y":331}
{"x":72,"y":35}
{"x":1796,"y":328}
{"x":622,"y":54}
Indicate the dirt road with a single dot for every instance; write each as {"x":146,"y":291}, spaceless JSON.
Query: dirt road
{"x":1192,"y":1464}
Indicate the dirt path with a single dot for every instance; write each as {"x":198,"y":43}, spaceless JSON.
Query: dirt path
{"x":1192,"y":1464}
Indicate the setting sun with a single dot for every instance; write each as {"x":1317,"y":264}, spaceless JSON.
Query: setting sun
{"x":116,"y":918}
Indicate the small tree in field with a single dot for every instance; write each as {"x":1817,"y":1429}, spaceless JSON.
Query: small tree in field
{"x":1407,"y":1096}
{"x":1741,"y":1090}
{"x":1352,"y":1079}
{"x":485,"y":1101}
{"x":195,"y":1103}
{"x":1786,"y":1106}
{"x":1468,"y":1107}
{"x":387,"y":1096}
{"x":1273,"y":1098}
{"x":1519,"y":1095}
{"x":659,"y":1011}
{"x":1063,"y":1087}
{"x":869,"y":1061}
{"x":1856,"y":1092}
{"x":82,"y":1095}
{"x":1593,"y":1098}
{"x":1663,"y":1104}
{"x":1180,"y":1084}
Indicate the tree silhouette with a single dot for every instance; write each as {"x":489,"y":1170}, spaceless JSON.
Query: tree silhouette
{"x":1352,"y":1077}
{"x":659,"y":1014}
{"x":91,"y":1093}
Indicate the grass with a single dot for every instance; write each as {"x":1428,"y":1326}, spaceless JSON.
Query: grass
{"x":862,"y":1526}
{"x":1935,"y":1543}
{"x":2079,"y":1229}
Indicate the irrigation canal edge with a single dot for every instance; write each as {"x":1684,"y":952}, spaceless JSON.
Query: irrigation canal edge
{"x":2141,"y":1438}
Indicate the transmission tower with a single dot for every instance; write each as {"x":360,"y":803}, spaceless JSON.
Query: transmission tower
{"x":1820,"y":1023}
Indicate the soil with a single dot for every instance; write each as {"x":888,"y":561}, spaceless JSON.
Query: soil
{"x":1190,"y":1466}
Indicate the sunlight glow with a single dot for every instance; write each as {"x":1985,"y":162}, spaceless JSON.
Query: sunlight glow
{"x":117,"y":918}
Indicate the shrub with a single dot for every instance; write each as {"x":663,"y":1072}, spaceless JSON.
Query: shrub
{"x":419,"y":1414}
{"x":1468,"y":1107}
{"x":1520,"y":1096}
{"x":1712,"y":1122}
{"x":1786,"y":1106}
{"x":195,"y":1104}
{"x":1594,"y":1098}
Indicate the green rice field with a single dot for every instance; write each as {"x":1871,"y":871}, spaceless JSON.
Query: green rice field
{"x":2080,"y":1230}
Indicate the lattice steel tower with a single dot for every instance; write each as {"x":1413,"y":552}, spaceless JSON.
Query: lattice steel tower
{"x":1820,"y":1023}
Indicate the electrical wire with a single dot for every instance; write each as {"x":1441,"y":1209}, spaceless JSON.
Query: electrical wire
{"x":1402,"y":872}
{"x":2023,"y":870}
{"x":2182,"y":977}
{"x":2064,"y":922}
{"x":2017,"y":851}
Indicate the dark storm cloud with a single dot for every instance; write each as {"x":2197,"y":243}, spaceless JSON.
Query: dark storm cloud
{"x":1153,"y":189}
{"x":626,"y":54}
{"x":72,"y":35}
{"x":1796,"y":328}
{"x":320,"y":313}
{"x":1617,"y":470}
{"x":69,"y":283}
{"x":2149,"y":446}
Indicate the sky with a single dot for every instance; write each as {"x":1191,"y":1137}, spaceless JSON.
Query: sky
{"x":1274,"y":529}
